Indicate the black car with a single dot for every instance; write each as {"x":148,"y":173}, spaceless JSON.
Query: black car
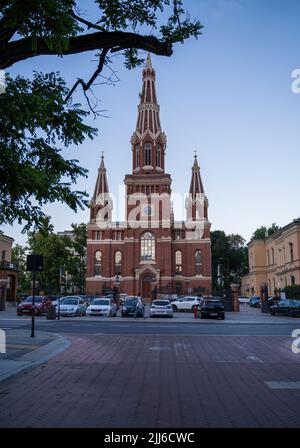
{"x":129,"y":306}
{"x":286,"y":308}
{"x":212,"y":308}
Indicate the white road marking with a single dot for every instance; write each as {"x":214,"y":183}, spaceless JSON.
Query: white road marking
{"x":283,"y":385}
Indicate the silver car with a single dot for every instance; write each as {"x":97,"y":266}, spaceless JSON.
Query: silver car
{"x":161,"y":308}
{"x":72,"y":306}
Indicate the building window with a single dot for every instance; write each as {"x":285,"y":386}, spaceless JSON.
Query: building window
{"x":148,"y":149}
{"x":98,"y":262}
{"x":98,"y":235}
{"x":137,"y":155}
{"x":291,"y":251}
{"x":293,"y":280}
{"x":273,"y":259}
{"x":147,"y":247}
{"x":158,"y":156}
{"x":118,"y":262}
{"x":178,"y":262}
{"x":198,"y":262}
{"x":3,"y":256}
{"x":268,"y":257}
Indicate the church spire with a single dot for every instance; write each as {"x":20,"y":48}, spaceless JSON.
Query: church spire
{"x":196,"y":186}
{"x":100,"y":197}
{"x":148,"y":140}
{"x":197,"y":203}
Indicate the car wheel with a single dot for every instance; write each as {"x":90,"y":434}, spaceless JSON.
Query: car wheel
{"x":272,"y":312}
{"x":202,"y":316}
{"x":291,"y":314}
{"x":175,"y":309}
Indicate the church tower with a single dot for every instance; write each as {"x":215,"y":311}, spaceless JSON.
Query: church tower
{"x":148,"y":184}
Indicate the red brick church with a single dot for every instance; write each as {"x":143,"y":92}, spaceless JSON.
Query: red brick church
{"x":150,"y":248}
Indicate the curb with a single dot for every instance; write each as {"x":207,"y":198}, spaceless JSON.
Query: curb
{"x":36,"y":357}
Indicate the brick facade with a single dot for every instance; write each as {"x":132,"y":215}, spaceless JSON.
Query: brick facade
{"x":149,"y":249}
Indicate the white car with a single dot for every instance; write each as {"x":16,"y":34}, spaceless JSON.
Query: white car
{"x":102,"y":307}
{"x":161,"y":308}
{"x":71,"y":306}
{"x":186,"y":303}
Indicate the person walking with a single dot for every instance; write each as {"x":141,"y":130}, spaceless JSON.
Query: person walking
{"x":140,"y":307}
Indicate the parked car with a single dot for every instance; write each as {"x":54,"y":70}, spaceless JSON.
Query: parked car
{"x":102,"y":306}
{"x":72,"y":306}
{"x":186,"y":303}
{"x":212,"y":308}
{"x":255,"y":302}
{"x":286,"y":308}
{"x":161,"y":308}
{"x":129,"y":306}
{"x":243,"y":299}
{"x":273,"y":301}
{"x":26,"y":306}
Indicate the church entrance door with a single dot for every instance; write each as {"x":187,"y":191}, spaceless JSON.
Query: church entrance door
{"x":147,"y":286}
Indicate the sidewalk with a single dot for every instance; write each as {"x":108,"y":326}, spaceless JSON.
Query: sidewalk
{"x":24,"y":352}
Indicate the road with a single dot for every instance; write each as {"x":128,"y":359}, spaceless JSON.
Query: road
{"x":159,"y":374}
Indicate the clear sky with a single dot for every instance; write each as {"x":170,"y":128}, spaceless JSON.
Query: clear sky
{"x":227,"y":95}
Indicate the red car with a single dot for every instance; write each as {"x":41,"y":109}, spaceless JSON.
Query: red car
{"x":26,"y":307}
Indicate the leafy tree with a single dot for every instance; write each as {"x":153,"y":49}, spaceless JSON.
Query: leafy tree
{"x":262,"y":232}
{"x":77,"y":263}
{"x":229,"y":259}
{"x":35,"y":125}
{"x":37,"y":118}
{"x":292,"y":292}
{"x":56,"y":252}
{"x":18,"y":256}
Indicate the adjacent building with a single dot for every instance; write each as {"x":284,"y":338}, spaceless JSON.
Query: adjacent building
{"x":8,"y":270}
{"x":274,"y":261}
{"x":150,"y":249}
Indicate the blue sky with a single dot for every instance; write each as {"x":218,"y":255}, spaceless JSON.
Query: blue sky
{"x":227,"y":95}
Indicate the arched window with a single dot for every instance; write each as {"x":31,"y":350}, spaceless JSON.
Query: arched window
{"x":98,"y":262}
{"x":148,"y":247}
{"x":118,"y":262}
{"x":198,"y":262}
{"x":158,"y":156}
{"x":148,"y":149}
{"x":137,"y":155}
{"x":178,"y":262}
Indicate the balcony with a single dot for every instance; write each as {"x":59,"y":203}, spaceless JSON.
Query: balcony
{"x":8,"y":266}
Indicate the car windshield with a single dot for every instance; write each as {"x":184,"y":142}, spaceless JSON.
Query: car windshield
{"x":161,"y":302}
{"x":37,"y":299}
{"x":70,"y":302}
{"x":129,"y":302}
{"x":101,"y":302}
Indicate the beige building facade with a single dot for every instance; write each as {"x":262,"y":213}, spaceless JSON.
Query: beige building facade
{"x":274,"y":261}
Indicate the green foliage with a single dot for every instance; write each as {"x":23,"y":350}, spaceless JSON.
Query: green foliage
{"x":230,"y":254}
{"x":292,"y":292}
{"x":47,"y":19}
{"x":263,"y":232}
{"x":35,"y":121}
{"x":19,"y":254}
{"x":59,"y":252}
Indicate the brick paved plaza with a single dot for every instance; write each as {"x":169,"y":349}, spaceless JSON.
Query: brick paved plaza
{"x":158,"y":381}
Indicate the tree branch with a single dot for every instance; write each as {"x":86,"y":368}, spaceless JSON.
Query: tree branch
{"x":23,"y":49}
{"x":87,"y":85}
